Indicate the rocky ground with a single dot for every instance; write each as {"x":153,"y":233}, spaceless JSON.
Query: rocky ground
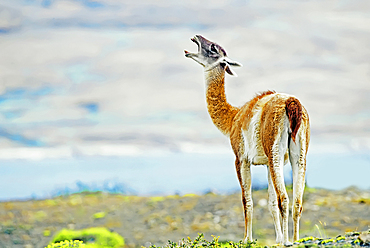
{"x":154,"y":220}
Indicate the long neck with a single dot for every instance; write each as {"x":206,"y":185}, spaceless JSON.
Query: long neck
{"x":221,"y":112}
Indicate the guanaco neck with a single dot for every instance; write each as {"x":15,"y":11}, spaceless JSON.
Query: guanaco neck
{"x":221,"y":112}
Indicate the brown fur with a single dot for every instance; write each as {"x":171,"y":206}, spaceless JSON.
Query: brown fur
{"x":221,"y":112}
{"x":272,"y":114}
{"x":242,"y":120}
{"x":306,"y":120}
{"x":247,"y":109}
{"x":294,"y":112}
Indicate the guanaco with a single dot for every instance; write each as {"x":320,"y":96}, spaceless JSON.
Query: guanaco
{"x":268,"y":130}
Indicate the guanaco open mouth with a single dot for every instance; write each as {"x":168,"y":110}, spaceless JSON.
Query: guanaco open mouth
{"x":196,"y":41}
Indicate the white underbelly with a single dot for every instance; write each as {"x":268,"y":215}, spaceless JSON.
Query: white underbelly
{"x":255,"y":154}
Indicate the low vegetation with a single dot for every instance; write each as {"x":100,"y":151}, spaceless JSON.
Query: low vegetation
{"x":144,"y":221}
{"x":201,"y":242}
{"x":67,"y":244}
{"x":352,"y":239}
{"x":95,"y":237}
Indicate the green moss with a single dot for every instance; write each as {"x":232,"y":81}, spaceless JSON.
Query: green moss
{"x":40,"y":216}
{"x":357,"y":242}
{"x":190,"y":195}
{"x":99,"y":215}
{"x":51,"y":203}
{"x":67,"y":243}
{"x":348,"y":234}
{"x":340,"y":238}
{"x":94,"y":237}
{"x":156,"y":198}
{"x":306,"y":239}
{"x":152,"y":201}
{"x":312,"y":245}
{"x":46,"y":233}
{"x":346,"y":246}
{"x":172,"y":197}
{"x":327,"y":241}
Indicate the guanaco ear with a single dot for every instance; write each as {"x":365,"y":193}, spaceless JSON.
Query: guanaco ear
{"x":227,"y":63}
{"x":228,"y":69}
{"x":232,"y":63}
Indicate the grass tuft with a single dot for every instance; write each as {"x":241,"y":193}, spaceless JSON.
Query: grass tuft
{"x":200,"y":242}
{"x":67,"y":244}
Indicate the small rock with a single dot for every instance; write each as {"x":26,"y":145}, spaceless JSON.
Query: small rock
{"x":71,"y":226}
{"x":216,"y":219}
{"x":262,"y":202}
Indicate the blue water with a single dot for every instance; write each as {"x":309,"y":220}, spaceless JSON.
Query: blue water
{"x":161,"y":175}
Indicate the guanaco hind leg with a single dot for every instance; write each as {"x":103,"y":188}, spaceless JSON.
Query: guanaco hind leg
{"x":297,"y":156}
{"x":276,"y":166}
{"x":274,"y":209}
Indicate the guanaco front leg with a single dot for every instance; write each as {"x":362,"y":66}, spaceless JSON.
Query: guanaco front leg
{"x":245,"y":179}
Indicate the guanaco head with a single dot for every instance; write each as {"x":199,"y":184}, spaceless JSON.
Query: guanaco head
{"x":210,"y":55}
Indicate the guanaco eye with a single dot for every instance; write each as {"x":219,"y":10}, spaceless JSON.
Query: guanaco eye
{"x":212,"y":48}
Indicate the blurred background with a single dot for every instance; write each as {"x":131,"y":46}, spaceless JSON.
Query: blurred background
{"x":98,"y":95}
